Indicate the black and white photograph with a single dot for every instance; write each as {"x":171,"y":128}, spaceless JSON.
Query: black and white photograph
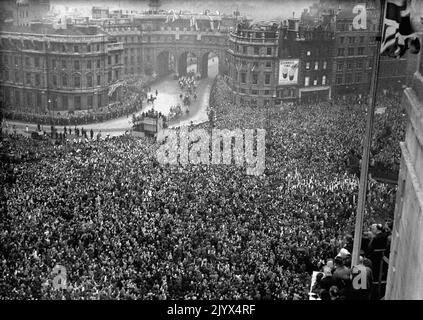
{"x":211,"y":155}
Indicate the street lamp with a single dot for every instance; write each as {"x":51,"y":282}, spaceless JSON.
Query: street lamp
{"x":49,"y":108}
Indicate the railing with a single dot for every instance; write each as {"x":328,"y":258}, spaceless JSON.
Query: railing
{"x":115,"y":46}
{"x":237,"y":38}
{"x":53,"y":38}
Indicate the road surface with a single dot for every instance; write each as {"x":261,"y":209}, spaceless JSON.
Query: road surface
{"x":168,"y":95}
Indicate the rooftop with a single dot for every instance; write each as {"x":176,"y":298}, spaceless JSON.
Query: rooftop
{"x":48,"y":29}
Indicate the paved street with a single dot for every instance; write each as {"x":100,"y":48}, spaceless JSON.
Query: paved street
{"x":168,"y":95}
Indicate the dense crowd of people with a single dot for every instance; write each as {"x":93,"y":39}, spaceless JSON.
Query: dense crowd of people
{"x":131,"y":103}
{"x":126,"y":227}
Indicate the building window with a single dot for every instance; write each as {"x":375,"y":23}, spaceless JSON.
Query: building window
{"x":117,"y":59}
{"x":38,"y":100}
{"x":89,"y":64}
{"x":16,"y":61}
{"x":309,"y":53}
{"x":54,"y":80}
{"x":64,"y":80}
{"x":339,"y":65}
{"x":341,"y":52}
{"x":37,"y":80}
{"x":27,"y":62}
{"x":256,"y":50}
{"x":53,"y":63}
{"x":77,"y":103}
{"x":117,"y":73}
{"x":316,"y":65}
{"x":90,"y":102}
{"x":350,"y":51}
{"x":89,"y":80}
{"x":360,"y":51}
{"x":243,"y":77}
{"x":65,"y":103}
{"x":348,"y":78}
{"x":307,"y":65}
{"x":126,"y":60}
{"x":54,"y":99}
{"x":255,"y":78}
{"x":315,"y":82}
{"x":361,"y":39}
{"x":76,"y":64}
{"x":339,"y":79}
{"x":267,"y":78}
{"x":306,"y":81}
{"x":29,"y":99}
{"x":98,"y":47}
{"x":109,"y":60}
{"x":37,"y":62}
{"x":269,"y":51}
{"x":358,"y":77}
{"x":76,"y":81}
{"x":109,"y":76}
{"x":244,"y":49}
{"x":254,"y":92}
{"x":75,"y":48}
{"x":266,"y":92}
{"x":323,"y":80}
{"x":98,"y":80}
{"x":98,"y":63}
{"x":17,"y":98}
{"x":268,"y":64}
{"x":341,"y":40}
{"x":349,"y":65}
{"x":88,"y":48}
{"x":351,"y":40}
{"x":359,"y":65}
{"x":28,"y":78}
{"x":64,"y":64}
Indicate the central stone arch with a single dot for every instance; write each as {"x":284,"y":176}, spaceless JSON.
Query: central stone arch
{"x":183,"y":64}
{"x":165,"y":63}
{"x":210,"y":56}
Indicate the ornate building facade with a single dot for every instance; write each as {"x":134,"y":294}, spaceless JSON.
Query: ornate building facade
{"x":44,"y":69}
{"x":252,"y":58}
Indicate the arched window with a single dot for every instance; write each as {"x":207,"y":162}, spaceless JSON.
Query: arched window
{"x":76,"y":81}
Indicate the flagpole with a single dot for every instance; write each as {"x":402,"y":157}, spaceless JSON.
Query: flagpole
{"x":362,"y":193}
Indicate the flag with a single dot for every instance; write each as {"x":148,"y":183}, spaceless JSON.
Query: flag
{"x":398,"y":35}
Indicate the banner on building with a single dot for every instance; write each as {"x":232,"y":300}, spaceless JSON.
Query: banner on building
{"x":288,"y":71}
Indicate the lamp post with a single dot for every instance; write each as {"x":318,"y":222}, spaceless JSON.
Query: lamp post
{"x":49,"y":110}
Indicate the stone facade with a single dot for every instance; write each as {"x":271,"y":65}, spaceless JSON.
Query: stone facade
{"x":405,"y":275}
{"x":43,"y":72}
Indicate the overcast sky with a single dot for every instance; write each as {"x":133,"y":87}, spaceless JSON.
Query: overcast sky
{"x":255,"y":9}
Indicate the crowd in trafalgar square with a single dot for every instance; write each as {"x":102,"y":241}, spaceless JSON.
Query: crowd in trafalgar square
{"x":126,"y":226}
{"x":226,"y":187}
